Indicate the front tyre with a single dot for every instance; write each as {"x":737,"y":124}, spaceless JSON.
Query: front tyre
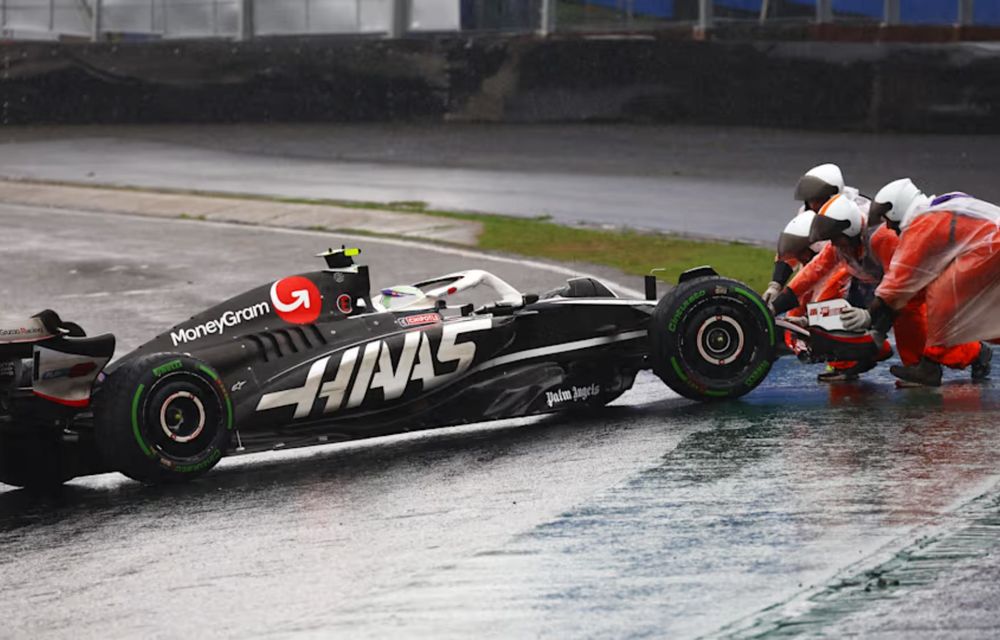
{"x":711,"y":338}
{"x":163,"y":418}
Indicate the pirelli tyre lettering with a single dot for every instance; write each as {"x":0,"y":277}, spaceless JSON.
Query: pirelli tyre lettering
{"x":711,"y":338}
{"x":312,"y":358}
{"x":163,"y":418}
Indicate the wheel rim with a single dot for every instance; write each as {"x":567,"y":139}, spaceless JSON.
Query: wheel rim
{"x":716,"y":342}
{"x":182,"y":417}
{"x":720,"y":340}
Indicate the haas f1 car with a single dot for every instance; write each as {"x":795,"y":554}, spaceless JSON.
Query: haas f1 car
{"x":314,"y":358}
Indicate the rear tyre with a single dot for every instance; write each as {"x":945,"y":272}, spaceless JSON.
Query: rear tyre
{"x":163,"y":418}
{"x":712,"y":338}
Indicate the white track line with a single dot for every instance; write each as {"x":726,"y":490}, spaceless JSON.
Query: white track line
{"x":395,"y":242}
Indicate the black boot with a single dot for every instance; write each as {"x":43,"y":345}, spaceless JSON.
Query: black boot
{"x":981,"y":367}
{"x":926,"y":372}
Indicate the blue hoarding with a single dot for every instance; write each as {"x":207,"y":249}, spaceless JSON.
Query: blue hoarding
{"x":911,"y":11}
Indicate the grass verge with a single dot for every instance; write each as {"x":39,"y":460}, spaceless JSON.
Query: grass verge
{"x":632,"y":252}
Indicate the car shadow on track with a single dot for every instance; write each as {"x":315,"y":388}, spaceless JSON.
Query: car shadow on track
{"x":728,"y":426}
{"x":332,"y":465}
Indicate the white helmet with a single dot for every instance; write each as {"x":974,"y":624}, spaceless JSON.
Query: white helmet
{"x":893,"y":201}
{"x":794,"y":240}
{"x":839,"y":216}
{"x":820,"y":183}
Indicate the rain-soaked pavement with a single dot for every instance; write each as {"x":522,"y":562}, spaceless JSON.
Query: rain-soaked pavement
{"x":801,"y":508}
{"x":731,"y":183}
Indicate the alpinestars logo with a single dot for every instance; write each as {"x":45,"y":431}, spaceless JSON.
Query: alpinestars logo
{"x":296,"y":300}
{"x":371,"y":367}
{"x":227,"y":320}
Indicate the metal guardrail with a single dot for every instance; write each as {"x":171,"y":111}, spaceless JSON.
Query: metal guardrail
{"x":236,"y":19}
{"x":246,"y":19}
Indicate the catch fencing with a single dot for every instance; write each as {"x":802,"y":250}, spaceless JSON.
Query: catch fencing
{"x":245,"y":19}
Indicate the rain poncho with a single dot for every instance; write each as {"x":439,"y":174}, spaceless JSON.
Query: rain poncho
{"x":867,"y":265}
{"x":949,"y":257}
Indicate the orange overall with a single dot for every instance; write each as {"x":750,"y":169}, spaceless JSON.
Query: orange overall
{"x":910,"y":326}
{"x":829,"y":286}
{"x":951,"y":262}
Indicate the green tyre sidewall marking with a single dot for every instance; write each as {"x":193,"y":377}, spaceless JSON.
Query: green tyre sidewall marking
{"x":683,"y":376}
{"x":214,"y":454}
{"x":166,"y":368}
{"x":135,"y":423}
{"x":199,"y":466}
{"x":678,"y":316}
{"x":229,"y":403}
{"x":763,"y":323}
{"x":127,"y":432}
{"x":763,"y":310}
{"x":758,"y":374}
{"x":677,"y":369}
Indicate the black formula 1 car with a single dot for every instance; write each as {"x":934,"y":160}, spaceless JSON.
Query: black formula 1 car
{"x":314,"y":358}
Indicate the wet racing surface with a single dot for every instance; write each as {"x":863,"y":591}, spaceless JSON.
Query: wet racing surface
{"x":712,"y":181}
{"x":657,"y":517}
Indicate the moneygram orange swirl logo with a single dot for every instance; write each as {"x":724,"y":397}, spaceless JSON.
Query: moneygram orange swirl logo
{"x":296,"y":300}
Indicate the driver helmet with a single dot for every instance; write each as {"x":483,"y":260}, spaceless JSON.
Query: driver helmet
{"x":893,"y":201}
{"x":839,"y":217}
{"x":819,"y":184}
{"x":403,"y":297}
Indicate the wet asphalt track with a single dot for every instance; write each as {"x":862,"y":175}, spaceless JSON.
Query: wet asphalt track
{"x":733,"y":183}
{"x":656,"y":518}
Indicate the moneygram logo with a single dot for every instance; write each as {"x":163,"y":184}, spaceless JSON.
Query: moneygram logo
{"x":227,"y":320}
{"x":296,"y":300}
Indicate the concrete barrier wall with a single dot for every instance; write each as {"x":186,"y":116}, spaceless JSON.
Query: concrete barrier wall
{"x":825,"y":85}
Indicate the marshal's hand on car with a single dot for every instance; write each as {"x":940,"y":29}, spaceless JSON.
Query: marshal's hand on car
{"x":772,"y":291}
{"x":856,"y":319}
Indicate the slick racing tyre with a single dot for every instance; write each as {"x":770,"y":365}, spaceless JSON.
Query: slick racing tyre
{"x":711,"y":338}
{"x":163,"y":418}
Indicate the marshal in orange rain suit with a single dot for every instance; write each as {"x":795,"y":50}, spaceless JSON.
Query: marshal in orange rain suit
{"x":828,"y":286}
{"x":951,"y":262}
{"x":867,"y":265}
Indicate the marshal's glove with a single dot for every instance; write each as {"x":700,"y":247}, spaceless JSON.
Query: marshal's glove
{"x":784,"y":301}
{"x":798,"y":321}
{"x":856,"y":319}
{"x":882,"y":318}
{"x":772,"y":291}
